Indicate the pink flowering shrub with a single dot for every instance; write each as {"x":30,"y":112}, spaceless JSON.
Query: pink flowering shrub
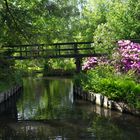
{"x":111,"y":78}
{"x":90,"y":63}
{"x":129,"y":55}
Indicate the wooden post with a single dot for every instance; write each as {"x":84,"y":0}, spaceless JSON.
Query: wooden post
{"x":20,"y":51}
{"x":26,"y":51}
{"x":75,"y":49}
{"x":78,"y":62}
{"x":9,"y":51}
{"x":38,"y":50}
{"x":77,"y":59}
{"x":59,"y":49}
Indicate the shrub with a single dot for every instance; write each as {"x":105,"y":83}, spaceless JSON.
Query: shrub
{"x":116,"y":78}
{"x":129,"y":53}
{"x":104,"y":80}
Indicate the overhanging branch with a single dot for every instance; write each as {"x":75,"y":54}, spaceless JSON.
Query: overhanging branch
{"x":14,"y":21}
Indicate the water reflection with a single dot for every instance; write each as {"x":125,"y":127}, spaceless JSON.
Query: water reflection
{"x":46,"y":111}
{"x":45,"y":99}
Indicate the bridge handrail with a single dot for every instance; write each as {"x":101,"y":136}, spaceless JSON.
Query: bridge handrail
{"x":50,"y":44}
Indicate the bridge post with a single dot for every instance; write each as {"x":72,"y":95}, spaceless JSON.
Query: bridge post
{"x":20,"y":51}
{"x":78,"y":62}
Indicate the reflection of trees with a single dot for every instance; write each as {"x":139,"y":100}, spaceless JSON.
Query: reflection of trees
{"x":30,"y":97}
{"x":43,"y":99}
{"x":55,"y":93}
{"x":53,"y":116}
{"x":111,"y":129}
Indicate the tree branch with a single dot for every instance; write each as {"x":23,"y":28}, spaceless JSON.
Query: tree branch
{"x":14,"y":21}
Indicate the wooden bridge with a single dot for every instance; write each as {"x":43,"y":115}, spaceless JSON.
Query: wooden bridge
{"x":76,"y":50}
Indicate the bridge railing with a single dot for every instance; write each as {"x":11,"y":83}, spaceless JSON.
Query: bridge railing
{"x":56,"y":50}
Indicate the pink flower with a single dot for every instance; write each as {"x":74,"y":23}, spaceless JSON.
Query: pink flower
{"x":123,"y":43}
{"x":129,"y":55}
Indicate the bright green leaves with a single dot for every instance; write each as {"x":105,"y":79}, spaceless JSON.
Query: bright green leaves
{"x":104,"y":80}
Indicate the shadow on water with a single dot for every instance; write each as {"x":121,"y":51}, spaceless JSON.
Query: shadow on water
{"x":46,"y":110}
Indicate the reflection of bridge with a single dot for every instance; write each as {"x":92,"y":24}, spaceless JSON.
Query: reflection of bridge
{"x":76,"y":50}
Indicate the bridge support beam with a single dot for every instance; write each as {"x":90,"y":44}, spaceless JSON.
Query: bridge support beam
{"x":78,"y":62}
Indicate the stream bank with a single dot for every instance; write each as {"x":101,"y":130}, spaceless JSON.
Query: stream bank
{"x":104,"y":101}
{"x":4,"y":96}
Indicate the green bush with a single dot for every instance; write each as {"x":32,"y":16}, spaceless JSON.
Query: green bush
{"x":8,"y":75}
{"x":116,"y":86}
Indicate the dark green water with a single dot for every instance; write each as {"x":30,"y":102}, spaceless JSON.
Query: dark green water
{"x":46,"y":110}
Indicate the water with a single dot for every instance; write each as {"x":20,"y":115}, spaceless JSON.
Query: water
{"x":46,"y":110}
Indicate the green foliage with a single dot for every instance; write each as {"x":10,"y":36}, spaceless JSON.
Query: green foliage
{"x":62,"y":63}
{"x":27,"y":67}
{"x":41,"y":21}
{"x":122,"y":22}
{"x":104,"y":39}
{"x":59,"y":67}
{"x":116,"y":86}
{"x":8,"y":76}
{"x":79,"y":79}
{"x":99,"y":127}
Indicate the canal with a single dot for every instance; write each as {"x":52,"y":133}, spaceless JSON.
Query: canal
{"x":47,"y":110}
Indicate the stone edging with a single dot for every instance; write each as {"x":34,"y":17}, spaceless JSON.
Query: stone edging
{"x":103,"y":101}
{"x":9,"y":93}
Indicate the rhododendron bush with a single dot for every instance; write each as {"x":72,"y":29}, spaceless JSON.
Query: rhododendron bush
{"x":127,"y":57}
{"x":90,"y":63}
{"x":116,"y":78}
